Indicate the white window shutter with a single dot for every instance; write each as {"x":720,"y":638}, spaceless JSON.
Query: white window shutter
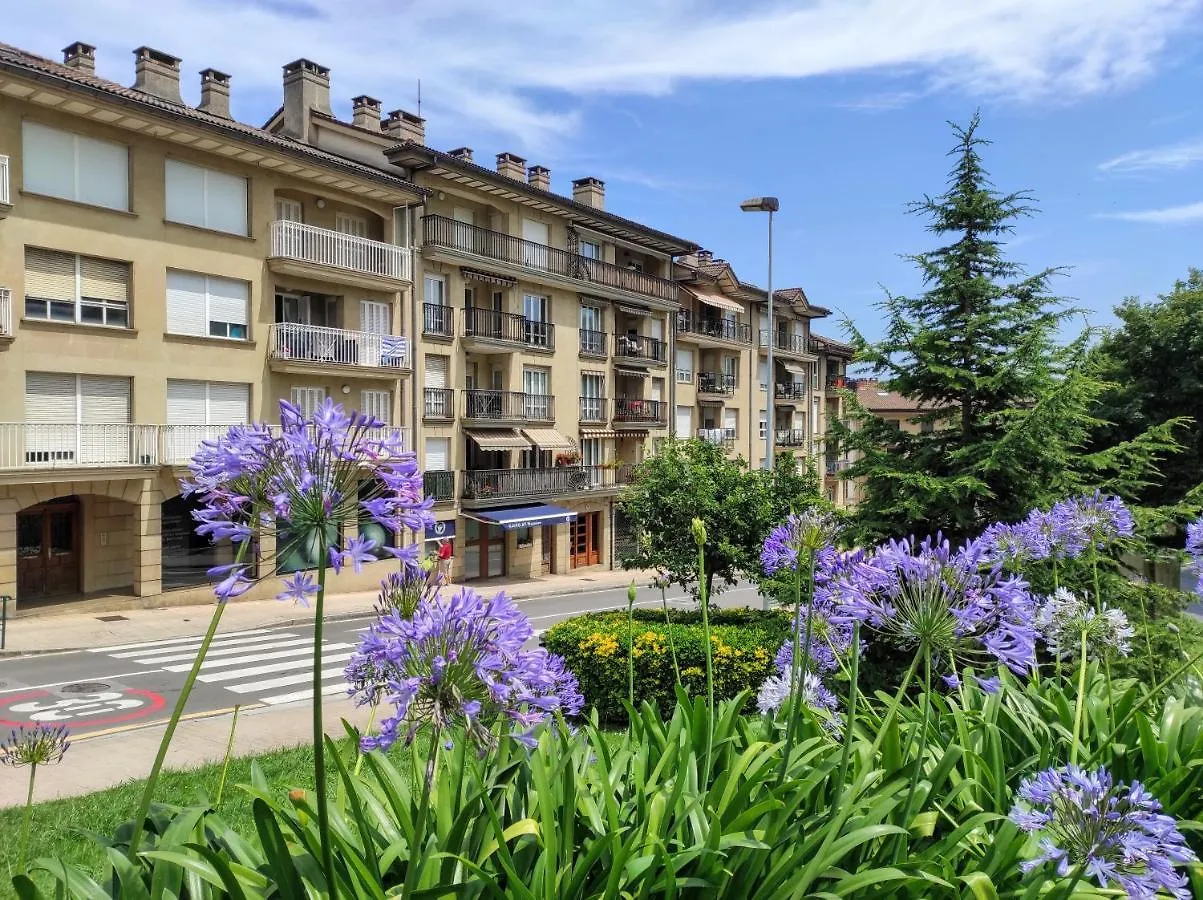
{"x":657,"y":389}
{"x":656,"y":326}
{"x":104,"y":400}
{"x":374,"y":317}
{"x":228,"y":301}
{"x":186,"y":303}
{"x":225,"y":202}
{"x":186,"y":403}
{"x":229,"y":403}
{"x":684,"y":421}
{"x":51,"y":397}
{"x":104,"y":279}
{"x":730,"y":419}
{"x":49,"y":275}
{"x":378,"y":404}
{"x":48,"y":161}
{"x":288,"y":210}
{"x":435,"y":375}
{"x":308,"y":399}
{"x":185,"y":187}
{"x":103,"y":173}
{"x":438,"y":454}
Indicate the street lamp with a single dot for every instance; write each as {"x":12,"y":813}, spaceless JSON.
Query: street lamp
{"x":769,"y":205}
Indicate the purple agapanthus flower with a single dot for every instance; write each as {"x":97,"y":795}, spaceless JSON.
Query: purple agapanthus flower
{"x":1194,"y":549}
{"x":459,"y":662}
{"x":830,"y":640}
{"x":1090,"y":520}
{"x":1117,"y":834}
{"x":39,"y":745}
{"x":311,"y":479}
{"x":952,"y":604}
{"x":775,"y":692}
{"x":800,"y":533}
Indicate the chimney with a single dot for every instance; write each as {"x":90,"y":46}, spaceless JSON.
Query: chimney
{"x":405,"y":126}
{"x":705,"y":256}
{"x":590,"y":191}
{"x":215,"y":93}
{"x":464,"y":154}
{"x":306,"y":89}
{"x":539,"y":177}
{"x":157,"y":74}
{"x":365,"y":112}
{"x":81,"y":57}
{"x":511,"y":166}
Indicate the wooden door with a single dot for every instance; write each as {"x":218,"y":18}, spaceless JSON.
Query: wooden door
{"x":585,"y":538}
{"x":48,"y":550}
{"x":549,"y":549}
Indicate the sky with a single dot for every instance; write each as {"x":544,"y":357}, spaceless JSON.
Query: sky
{"x":840,"y":108}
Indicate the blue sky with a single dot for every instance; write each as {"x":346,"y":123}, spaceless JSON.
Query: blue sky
{"x":685,"y":107}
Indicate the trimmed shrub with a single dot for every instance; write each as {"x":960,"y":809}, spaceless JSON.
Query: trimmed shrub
{"x":594,"y":647}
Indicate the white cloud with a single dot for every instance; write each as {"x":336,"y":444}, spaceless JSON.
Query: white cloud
{"x":1169,"y":215}
{"x":519,"y":69}
{"x":1172,"y":156}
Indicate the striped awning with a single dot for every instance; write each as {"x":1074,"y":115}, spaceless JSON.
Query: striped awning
{"x":718,"y":301}
{"x":504,"y":439}
{"x":632,"y":309}
{"x":631,"y":373}
{"x":794,"y":368}
{"x":633,"y":433}
{"x":487,"y":277}
{"x":600,"y":433}
{"x":549,"y":439}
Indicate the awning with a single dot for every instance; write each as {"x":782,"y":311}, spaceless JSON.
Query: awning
{"x":522,"y":516}
{"x":504,"y":439}
{"x":486,"y":277}
{"x":718,"y":301}
{"x":794,"y":368}
{"x":632,"y":310}
{"x":548,"y":439}
{"x":631,"y":373}
{"x":601,"y":433}
{"x":633,"y":433}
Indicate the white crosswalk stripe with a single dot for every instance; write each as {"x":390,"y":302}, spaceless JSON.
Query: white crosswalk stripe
{"x":254,"y":664}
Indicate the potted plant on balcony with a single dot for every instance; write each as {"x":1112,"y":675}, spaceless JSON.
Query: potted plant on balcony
{"x":567,"y":458}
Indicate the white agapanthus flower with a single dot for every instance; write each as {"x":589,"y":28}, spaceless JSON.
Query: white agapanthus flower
{"x":1066,"y":620}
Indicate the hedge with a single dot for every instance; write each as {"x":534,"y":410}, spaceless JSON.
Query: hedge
{"x":594,"y":646}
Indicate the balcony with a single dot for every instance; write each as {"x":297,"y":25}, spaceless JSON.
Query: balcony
{"x":837,"y":382}
{"x":443,"y":237}
{"x":438,"y":403}
{"x":792,"y":390}
{"x":6,"y":204}
{"x":593,"y":343}
{"x":487,"y":485}
{"x":640,"y":412}
{"x":503,"y":407}
{"x":593,"y":410}
{"x":720,"y":437}
{"x":439,"y":485}
{"x":438,"y":321}
{"x":6,"y":314}
{"x":488,"y":326}
{"x":791,"y":437}
{"x":636,"y":348}
{"x":306,"y":250}
{"x":792,"y":344}
{"x":34,"y":446}
{"x":177,"y":444}
{"x":306,"y":348}
{"x":717,"y":383}
{"x":835,"y":466}
{"x":705,"y":330}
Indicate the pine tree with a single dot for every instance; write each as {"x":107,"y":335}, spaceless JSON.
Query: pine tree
{"x":1010,"y":407}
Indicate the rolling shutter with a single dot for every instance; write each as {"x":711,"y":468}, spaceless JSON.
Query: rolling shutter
{"x":435,"y":375}
{"x":103,"y":173}
{"x":228,"y":301}
{"x":229,"y":403}
{"x":185,"y":186}
{"x":186,"y":303}
{"x":186,"y":403}
{"x":438,"y":453}
{"x":51,"y":397}
{"x":684,"y":421}
{"x":48,"y":161}
{"x":225,"y":202}
{"x":103,"y":279}
{"x":49,"y":275}
{"x":103,"y":400}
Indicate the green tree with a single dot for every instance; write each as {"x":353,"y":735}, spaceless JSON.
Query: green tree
{"x":1011,"y":408}
{"x":739,"y":505}
{"x":1153,"y":363}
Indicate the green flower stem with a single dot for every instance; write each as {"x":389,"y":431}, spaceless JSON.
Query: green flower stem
{"x":706,"y":629}
{"x":1144,"y":626}
{"x":631,"y":645}
{"x":1080,"y":703}
{"x":359,"y":754}
{"x":413,"y":870}
{"x":846,"y":755}
{"x":26,"y":820}
{"x":319,"y":732}
{"x":1098,"y":608}
{"x":1073,"y":882}
{"x":917,"y":770}
{"x":798,"y":668}
{"x":672,"y":647}
{"x":225,"y":764}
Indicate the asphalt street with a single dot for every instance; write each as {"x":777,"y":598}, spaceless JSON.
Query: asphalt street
{"x":133,"y":685}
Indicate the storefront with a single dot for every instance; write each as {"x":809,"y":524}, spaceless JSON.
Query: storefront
{"x":503,"y":541}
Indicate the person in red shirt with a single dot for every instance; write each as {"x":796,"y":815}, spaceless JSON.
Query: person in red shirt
{"x":444,"y":561}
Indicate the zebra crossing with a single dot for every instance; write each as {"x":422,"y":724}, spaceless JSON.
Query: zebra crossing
{"x":264,"y":665}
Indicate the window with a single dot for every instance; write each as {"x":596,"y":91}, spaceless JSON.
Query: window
{"x":730,"y":363}
{"x":764,"y":374}
{"x":684,"y":422}
{"x":353,"y":225}
{"x":435,"y":288}
{"x":657,"y":390}
{"x":378,"y":404}
{"x":308,"y":399}
{"x":593,"y":391}
{"x":537,"y":399}
{"x":927,"y":426}
{"x":288,"y":210}
{"x":206,"y":305}
{"x":207,"y":402}
{"x":438,"y":454}
{"x":86,"y":408}
{"x":591,"y":452}
{"x":74,"y":167}
{"x":536,"y":311}
{"x":64,"y":287}
{"x":730,"y":423}
{"x":684,"y":367}
{"x":205,"y":198}
{"x":764,"y":425}
{"x":591,"y":250}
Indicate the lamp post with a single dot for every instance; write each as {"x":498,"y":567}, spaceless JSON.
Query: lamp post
{"x":769,"y":205}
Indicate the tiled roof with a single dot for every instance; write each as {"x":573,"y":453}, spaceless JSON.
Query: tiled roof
{"x":872,"y":396}
{"x":831,"y":342}
{"x":29,"y":64}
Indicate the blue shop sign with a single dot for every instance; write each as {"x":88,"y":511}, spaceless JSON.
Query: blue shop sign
{"x":441,"y":531}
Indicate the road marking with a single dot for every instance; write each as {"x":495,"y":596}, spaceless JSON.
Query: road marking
{"x":284,"y":680}
{"x":306,"y":694}
{"x":171,"y":641}
{"x":35,"y":687}
{"x":225,"y":651}
{"x":195,"y":645}
{"x":254,"y":657}
{"x":268,"y":669}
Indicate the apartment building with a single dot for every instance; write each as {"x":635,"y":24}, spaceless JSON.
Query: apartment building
{"x":165,"y":272}
{"x":894,"y":409}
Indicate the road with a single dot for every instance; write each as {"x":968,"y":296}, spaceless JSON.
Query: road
{"x":128,"y":686}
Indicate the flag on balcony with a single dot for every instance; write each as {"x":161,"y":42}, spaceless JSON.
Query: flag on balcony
{"x":392,"y":350}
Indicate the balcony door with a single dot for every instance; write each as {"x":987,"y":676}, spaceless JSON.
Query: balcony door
{"x":537,"y":390}
{"x":484,"y":551}
{"x":77,"y":419}
{"x":48,"y":549}
{"x":534,"y":248}
{"x":536,"y":314}
{"x":593,"y":391}
{"x":375,"y":321}
{"x":585,"y":540}
{"x":288,"y":210}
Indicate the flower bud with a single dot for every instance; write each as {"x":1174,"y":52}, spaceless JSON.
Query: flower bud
{"x":631,"y":590}
{"x":699,"y":532}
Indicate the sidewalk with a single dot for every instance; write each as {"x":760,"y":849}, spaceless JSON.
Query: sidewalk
{"x":94,"y":764}
{"x":75,"y":629}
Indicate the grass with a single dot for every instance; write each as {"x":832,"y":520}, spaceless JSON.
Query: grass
{"x":57,"y":824}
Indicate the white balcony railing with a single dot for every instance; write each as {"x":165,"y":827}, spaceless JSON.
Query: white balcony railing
{"x":338,"y":347}
{"x":324,"y":247}
{"x":49,"y":446}
{"x":6,"y":312}
{"x":179,"y":443}
{"x":719,"y":436}
{"x":4,"y":196}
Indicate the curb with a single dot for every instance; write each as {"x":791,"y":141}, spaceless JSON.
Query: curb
{"x":337,"y":617}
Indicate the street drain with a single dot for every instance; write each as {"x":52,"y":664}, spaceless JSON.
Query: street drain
{"x":112,"y":618}
{"x":84,"y":687}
